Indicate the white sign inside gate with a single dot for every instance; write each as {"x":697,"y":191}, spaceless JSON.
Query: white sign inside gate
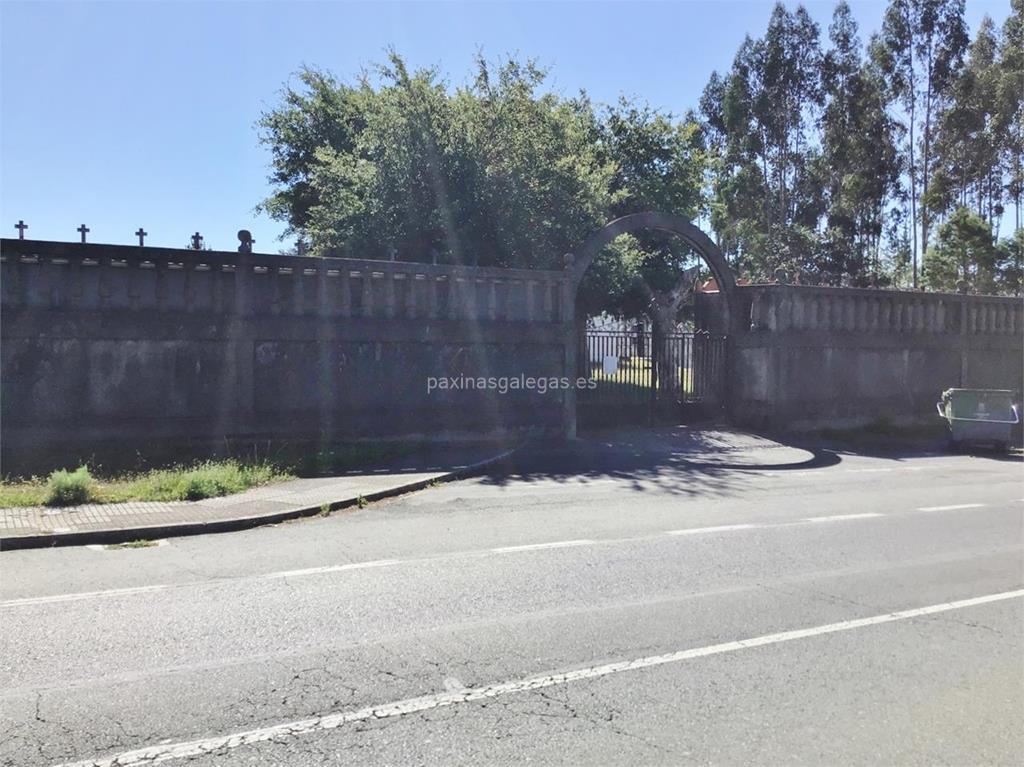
{"x":611,"y":366}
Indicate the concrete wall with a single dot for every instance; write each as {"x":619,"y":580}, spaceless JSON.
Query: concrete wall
{"x":133,"y":345}
{"x":840,"y":356}
{"x":139,"y":347}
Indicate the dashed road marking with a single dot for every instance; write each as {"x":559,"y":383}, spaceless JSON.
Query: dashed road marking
{"x":84,"y":595}
{"x":538,"y":546}
{"x":333,"y":568}
{"x":279,"y":732}
{"x":953,"y":507}
{"x":842,"y":517}
{"x":716,"y":529}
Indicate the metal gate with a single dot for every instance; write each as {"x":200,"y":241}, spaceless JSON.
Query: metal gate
{"x":644,"y":377}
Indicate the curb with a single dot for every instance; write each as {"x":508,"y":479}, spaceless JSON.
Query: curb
{"x":127,"y":534}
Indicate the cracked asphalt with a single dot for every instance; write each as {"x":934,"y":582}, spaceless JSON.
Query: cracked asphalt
{"x":482,"y":621}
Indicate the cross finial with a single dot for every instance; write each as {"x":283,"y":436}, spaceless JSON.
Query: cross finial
{"x":141,"y":234}
{"x":197,"y":241}
{"x":83,"y":230}
{"x":21,"y":226}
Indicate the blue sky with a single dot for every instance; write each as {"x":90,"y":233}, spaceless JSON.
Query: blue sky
{"x":126,"y":114}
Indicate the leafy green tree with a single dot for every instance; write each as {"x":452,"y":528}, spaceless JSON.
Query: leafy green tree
{"x":316,"y":114}
{"x":659,"y":164}
{"x":963,"y":251}
{"x":492,"y":173}
{"x":1010,"y":263}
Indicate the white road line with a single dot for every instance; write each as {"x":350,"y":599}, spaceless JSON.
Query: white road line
{"x":332,"y":568}
{"x":279,"y":732}
{"x":841,"y":517}
{"x":537,"y":546}
{"x":954,"y":507}
{"x":84,"y":595}
{"x":717,"y":529}
{"x":130,"y":591}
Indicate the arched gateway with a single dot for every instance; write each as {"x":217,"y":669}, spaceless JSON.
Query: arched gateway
{"x":665,"y":222}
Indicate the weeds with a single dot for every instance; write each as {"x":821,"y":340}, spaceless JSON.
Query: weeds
{"x":69,"y":488}
{"x":139,"y":544}
{"x":181,"y":483}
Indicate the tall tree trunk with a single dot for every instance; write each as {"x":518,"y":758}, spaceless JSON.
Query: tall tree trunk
{"x":926,"y":159}
{"x":913,"y":199}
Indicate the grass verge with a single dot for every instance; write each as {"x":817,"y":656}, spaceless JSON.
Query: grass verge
{"x":181,"y":483}
{"x":205,"y":479}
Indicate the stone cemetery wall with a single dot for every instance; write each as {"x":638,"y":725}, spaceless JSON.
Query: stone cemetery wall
{"x":138,"y":345}
{"x":841,"y":356}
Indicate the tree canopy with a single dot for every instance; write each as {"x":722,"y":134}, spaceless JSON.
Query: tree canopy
{"x":837,"y":158}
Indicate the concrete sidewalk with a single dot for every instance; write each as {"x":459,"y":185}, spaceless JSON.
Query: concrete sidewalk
{"x":39,"y":526}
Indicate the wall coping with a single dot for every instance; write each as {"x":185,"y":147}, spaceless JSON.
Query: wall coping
{"x":829,"y":290}
{"x":137,"y":253}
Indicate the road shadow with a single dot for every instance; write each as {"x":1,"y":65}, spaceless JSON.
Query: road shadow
{"x":897,"y":449}
{"x":680,"y":460}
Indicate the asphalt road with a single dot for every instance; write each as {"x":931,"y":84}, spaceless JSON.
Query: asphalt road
{"x":668,"y":598}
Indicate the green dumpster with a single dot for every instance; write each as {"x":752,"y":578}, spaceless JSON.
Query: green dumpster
{"x":985,"y":416}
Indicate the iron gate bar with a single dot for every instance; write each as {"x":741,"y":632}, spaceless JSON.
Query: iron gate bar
{"x":653,"y":375}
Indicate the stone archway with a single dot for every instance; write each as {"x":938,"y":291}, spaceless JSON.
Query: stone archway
{"x":665,"y":222}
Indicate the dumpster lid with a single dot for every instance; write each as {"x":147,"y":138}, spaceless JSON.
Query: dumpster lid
{"x":1009,"y":392}
{"x":980,"y":405}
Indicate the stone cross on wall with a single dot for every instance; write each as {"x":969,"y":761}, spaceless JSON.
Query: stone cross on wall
{"x":197,"y":241}
{"x":141,"y":234}
{"x":83,"y":230}
{"x":21,"y":226}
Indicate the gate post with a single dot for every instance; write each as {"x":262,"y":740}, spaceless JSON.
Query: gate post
{"x":570,"y":341}
{"x":656,"y":352}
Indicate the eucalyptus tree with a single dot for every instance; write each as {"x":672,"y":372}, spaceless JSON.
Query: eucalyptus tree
{"x":1010,"y":93}
{"x":859,"y":167}
{"x":970,"y":135}
{"x":920,"y":49}
{"x":760,"y":120}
